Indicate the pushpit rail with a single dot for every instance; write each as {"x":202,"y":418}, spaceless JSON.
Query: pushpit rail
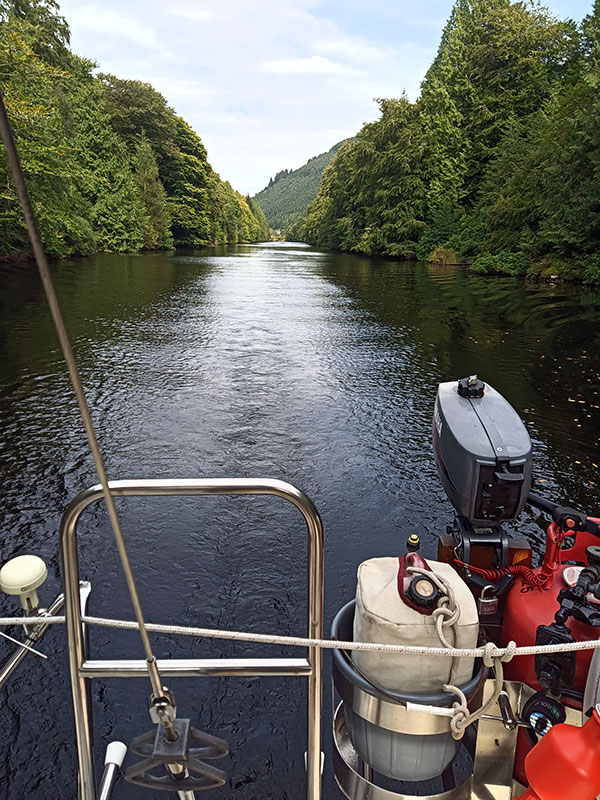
{"x":82,"y":669}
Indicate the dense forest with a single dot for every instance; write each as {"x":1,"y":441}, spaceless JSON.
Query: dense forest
{"x":498,"y":161}
{"x":110,"y":166}
{"x":286,"y":198}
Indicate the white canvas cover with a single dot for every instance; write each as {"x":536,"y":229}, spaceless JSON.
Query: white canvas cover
{"x":382,"y":616}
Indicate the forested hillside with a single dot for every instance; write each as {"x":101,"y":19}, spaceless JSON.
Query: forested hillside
{"x":498,"y":161}
{"x":110,"y":166}
{"x":286,"y":199}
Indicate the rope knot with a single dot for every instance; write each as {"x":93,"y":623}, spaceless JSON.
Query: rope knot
{"x":450,"y":615}
{"x":458,"y":721}
{"x":510,"y":648}
{"x":492,"y":655}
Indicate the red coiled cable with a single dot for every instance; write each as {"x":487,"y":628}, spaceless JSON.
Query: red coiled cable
{"x":529,"y":576}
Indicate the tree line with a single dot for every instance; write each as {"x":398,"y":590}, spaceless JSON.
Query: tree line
{"x":110,"y":166}
{"x":497,"y":163}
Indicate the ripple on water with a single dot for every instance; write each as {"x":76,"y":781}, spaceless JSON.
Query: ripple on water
{"x":274,"y":360}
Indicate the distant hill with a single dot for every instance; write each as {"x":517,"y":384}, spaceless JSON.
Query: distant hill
{"x":290,"y":192}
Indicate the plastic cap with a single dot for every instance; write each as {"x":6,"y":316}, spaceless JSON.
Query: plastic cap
{"x":115,"y":753}
{"x":471,"y":387}
{"x":423,"y":592}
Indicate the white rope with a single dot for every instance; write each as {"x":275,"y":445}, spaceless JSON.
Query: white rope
{"x":6,"y":621}
{"x":447,"y":614}
{"x":490,"y":651}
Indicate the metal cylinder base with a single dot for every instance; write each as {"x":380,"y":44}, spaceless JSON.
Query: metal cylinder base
{"x":347,"y":766}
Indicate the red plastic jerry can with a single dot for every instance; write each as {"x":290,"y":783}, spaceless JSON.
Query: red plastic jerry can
{"x":565,"y":763}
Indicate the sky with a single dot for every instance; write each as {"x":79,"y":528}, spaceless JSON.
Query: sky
{"x":267,"y":84}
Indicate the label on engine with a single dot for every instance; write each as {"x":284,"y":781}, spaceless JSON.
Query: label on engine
{"x":437,"y":420}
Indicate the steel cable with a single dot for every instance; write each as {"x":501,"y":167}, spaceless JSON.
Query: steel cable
{"x":67,"y":350}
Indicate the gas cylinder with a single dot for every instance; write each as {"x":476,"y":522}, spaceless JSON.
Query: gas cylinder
{"x":396,"y":605}
{"x":566,"y":763}
{"x":385,"y":614}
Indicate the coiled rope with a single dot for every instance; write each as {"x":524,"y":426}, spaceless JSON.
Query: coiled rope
{"x":447,"y":615}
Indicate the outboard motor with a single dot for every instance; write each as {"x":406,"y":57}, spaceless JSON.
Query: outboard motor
{"x":482,"y":451}
{"x":483,"y":456}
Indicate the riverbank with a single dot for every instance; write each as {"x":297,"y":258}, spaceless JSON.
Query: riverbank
{"x":110,"y":166}
{"x":22,"y":258}
{"x":514,"y":265}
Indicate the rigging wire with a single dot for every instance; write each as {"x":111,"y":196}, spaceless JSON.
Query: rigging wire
{"x":65,"y":344}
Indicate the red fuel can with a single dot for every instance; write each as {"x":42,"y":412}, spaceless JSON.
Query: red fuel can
{"x":529,"y":605}
{"x":565,"y":763}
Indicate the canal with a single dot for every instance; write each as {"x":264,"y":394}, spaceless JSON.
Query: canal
{"x":258,"y":360}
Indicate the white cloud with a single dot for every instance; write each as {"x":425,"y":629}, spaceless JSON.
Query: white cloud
{"x":107,"y":21}
{"x":352,"y":49}
{"x":267,"y":84}
{"x":183,"y":91}
{"x":191,"y":12}
{"x":313,"y":65}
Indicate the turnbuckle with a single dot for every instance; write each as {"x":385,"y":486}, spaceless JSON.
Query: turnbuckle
{"x":180,"y":758}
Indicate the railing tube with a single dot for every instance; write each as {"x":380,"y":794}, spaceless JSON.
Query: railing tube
{"x":190,"y":486}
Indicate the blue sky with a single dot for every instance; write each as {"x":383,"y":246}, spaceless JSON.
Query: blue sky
{"x":269,"y":83}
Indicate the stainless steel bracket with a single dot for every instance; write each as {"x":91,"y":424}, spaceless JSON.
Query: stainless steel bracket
{"x":492,"y":777}
{"x":495,"y":751}
{"x":346,"y":765}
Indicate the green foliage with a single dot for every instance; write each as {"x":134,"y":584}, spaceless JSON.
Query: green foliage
{"x":503,"y":263}
{"x":286,"y":198}
{"x":296,"y":232}
{"x":497,"y":61}
{"x":372,"y":194}
{"x":259,"y":226}
{"x":443,"y":255}
{"x":32,"y":92}
{"x":498,"y":160}
{"x":591,"y":270}
{"x":137,"y":109}
{"x":109,"y":165}
{"x":187,"y":184}
{"x":157,"y":233}
{"x":540,"y":195}
{"x":41,"y":27}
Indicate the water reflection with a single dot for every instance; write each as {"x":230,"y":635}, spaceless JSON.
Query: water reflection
{"x":271,"y":360}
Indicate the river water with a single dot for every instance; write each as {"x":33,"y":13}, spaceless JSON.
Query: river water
{"x":271,"y":360}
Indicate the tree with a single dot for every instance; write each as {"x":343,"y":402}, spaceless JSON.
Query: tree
{"x":135,"y":108}
{"x":33,"y":91}
{"x":157,"y":233}
{"x":42,"y":27}
{"x":475,"y":165}
{"x":371,"y":196}
{"x":539,"y":197}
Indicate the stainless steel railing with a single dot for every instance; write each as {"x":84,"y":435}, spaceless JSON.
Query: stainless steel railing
{"x":82,"y":669}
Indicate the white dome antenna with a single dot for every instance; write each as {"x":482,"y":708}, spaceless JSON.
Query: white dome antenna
{"x":22,"y":576}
